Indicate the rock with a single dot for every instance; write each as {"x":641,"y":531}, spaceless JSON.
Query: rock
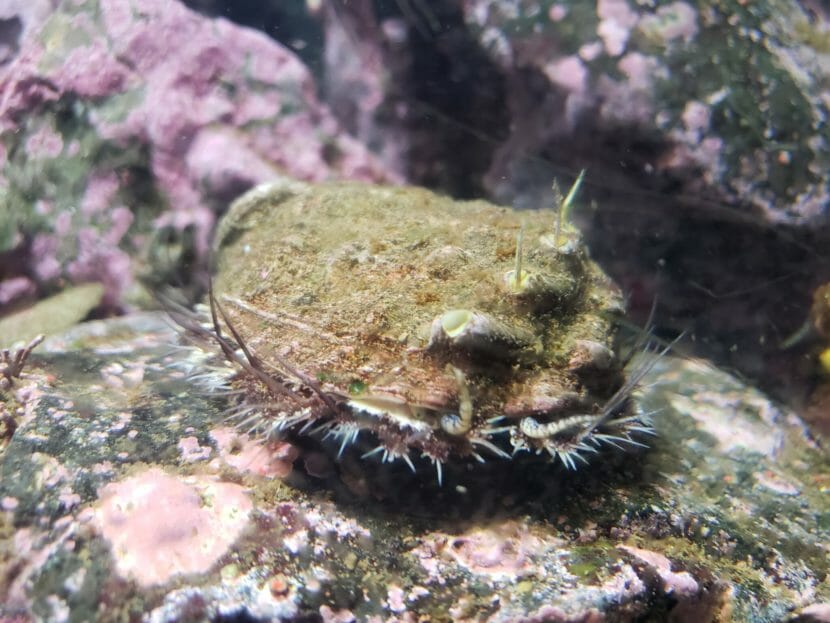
{"x":419,"y":89}
{"x":723,"y":516}
{"x":127,"y":125}
{"x":688,"y":76}
{"x":294,"y":25}
{"x":817,"y":613}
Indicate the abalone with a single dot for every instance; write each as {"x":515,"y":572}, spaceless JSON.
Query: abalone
{"x":417,"y":327}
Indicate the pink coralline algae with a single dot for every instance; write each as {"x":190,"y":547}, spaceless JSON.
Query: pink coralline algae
{"x":269,"y":459}
{"x":100,"y":259}
{"x":616,"y":21}
{"x":191,"y":451}
{"x":44,"y":142}
{"x":569,"y":73}
{"x":15,"y":288}
{"x":677,"y":20}
{"x":504,"y":552}
{"x":329,"y":615}
{"x":681,"y":584}
{"x":160,"y":526}
{"x":219,"y":75}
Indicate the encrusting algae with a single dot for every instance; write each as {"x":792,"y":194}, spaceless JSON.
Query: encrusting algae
{"x":413,"y":326}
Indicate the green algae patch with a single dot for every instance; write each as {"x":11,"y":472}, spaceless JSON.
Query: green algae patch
{"x":52,"y":315}
{"x":736,"y":64}
{"x":59,"y":35}
{"x":117,"y":107}
{"x":589,"y":563}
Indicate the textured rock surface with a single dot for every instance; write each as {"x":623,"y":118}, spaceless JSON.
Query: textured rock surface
{"x":124,"y":122}
{"x":735,"y":91}
{"x":724,"y":516}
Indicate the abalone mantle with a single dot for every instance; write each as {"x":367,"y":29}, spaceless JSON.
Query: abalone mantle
{"x":394,"y":316}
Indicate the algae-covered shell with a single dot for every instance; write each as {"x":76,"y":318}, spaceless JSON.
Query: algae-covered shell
{"x":396,"y":317}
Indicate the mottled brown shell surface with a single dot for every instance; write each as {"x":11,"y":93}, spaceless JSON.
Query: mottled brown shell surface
{"x":405,"y":306}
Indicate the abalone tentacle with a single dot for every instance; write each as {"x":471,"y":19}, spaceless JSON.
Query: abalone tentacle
{"x":461,"y":423}
{"x":535,"y":430}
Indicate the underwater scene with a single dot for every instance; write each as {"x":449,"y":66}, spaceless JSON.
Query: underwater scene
{"x":409,"y":311}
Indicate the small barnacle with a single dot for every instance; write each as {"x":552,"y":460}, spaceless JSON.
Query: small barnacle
{"x":506,"y":354}
{"x":460,"y":424}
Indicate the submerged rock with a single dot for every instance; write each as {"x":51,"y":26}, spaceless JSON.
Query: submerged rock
{"x":727,"y":98}
{"x":128,"y":122}
{"x":724,"y":515}
{"x":713,"y":101}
